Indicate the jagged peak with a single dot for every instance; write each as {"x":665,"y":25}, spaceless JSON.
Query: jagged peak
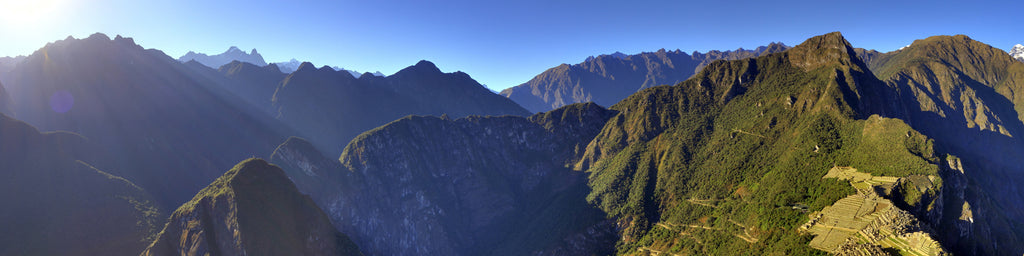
{"x":823,"y":50}
{"x":834,"y":40}
{"x":234,"y":49}
{"x":253,"y":52}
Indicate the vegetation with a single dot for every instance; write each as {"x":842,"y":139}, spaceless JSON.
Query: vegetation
{"x":733,"y":158}
{"x":262,"y":208}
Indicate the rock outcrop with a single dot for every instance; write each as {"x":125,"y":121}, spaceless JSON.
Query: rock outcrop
{"x":471,"y":186}
{"x":252,"y":210}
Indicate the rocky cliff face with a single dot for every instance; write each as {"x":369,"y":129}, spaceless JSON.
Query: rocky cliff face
{"x":471,"y":186}
{"x":252,"y":210}
{"x":607,"y":79}
{"x":964,"y":94}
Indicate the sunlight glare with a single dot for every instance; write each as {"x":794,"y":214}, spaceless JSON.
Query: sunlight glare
{"x":27,"y":13}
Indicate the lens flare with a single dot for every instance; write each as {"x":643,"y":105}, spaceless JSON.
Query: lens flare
{"x":61,"y":101}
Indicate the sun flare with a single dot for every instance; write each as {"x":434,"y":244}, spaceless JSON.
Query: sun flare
{"x":27,"y":13}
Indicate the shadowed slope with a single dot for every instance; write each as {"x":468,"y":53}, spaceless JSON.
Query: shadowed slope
{"x":252,"y":210}
{"x":57,"y":204}
{"x":170,"y":131}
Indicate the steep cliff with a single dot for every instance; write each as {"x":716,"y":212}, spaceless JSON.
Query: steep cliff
{"x":471,"y":186}
{"x":252,"y":210}
{"x":966,"y":94}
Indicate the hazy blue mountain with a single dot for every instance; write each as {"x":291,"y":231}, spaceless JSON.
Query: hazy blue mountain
{"x":232,"y":54}
{"x":331,"y":107}
{"x":57,"y":203}
{"x":607,"y":79}
{"x":292,"y":65}
{"x":170,"y":129}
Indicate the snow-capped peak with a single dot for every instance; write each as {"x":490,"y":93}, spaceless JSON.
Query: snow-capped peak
{"x":1017,"y":52}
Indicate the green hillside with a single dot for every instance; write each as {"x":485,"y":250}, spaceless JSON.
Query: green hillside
{"x":739,"y":151}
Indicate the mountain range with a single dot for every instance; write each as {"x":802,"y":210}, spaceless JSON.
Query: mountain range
{"x":812,"y":149}
{"x":147,"y":113}
{"x":747,"y":153}
{"x":232,"y":54}
{"x":293,"y":65}
{"x":607,"y":79}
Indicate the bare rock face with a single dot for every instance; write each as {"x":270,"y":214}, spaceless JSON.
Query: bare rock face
{"x":471,"y":186}
{"x":252,"y":210}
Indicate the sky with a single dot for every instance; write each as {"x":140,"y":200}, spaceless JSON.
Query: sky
{"x":499,"y":43}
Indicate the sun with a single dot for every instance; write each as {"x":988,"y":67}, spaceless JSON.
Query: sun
{"x":27,"y":13}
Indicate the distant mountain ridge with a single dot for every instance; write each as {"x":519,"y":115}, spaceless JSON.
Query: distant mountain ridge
{"x":292,"y":65}
{"x":232,"y":54}
{"x":606,"y":79}
{"x":331,"y":107}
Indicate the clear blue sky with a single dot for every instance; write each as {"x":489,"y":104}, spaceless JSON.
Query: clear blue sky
{"x":501,"y":44}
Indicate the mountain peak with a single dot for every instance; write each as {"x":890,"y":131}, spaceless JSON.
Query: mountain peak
{"x":98,"y":36}
{"x":421,"y":67}
{"x":834,"y":40}
{"x":305,"y":66}
{"x":426,"y":65}
{"x":1017,"y":52}
{"x":239,"y":198}
{"x":234,"y":49}
{"x":822,"y":50}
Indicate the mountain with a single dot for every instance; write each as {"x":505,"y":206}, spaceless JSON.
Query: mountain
{"x":232,"y":54}
{"x":331,"y":107}
{"x":253,"y":209}
{"x":606,"y":79}
{"x":468,"y":186}
{"x":5,"y":100}
{"x":8,"y":63}
{"x":57,"y":203}
{"x":168,"y":129}
{"x":292,"y":65}
{"x":737,"y":155}
{"x":793,"y":152}
{"x":1017,"y":52}
{"x":963,"y":93}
